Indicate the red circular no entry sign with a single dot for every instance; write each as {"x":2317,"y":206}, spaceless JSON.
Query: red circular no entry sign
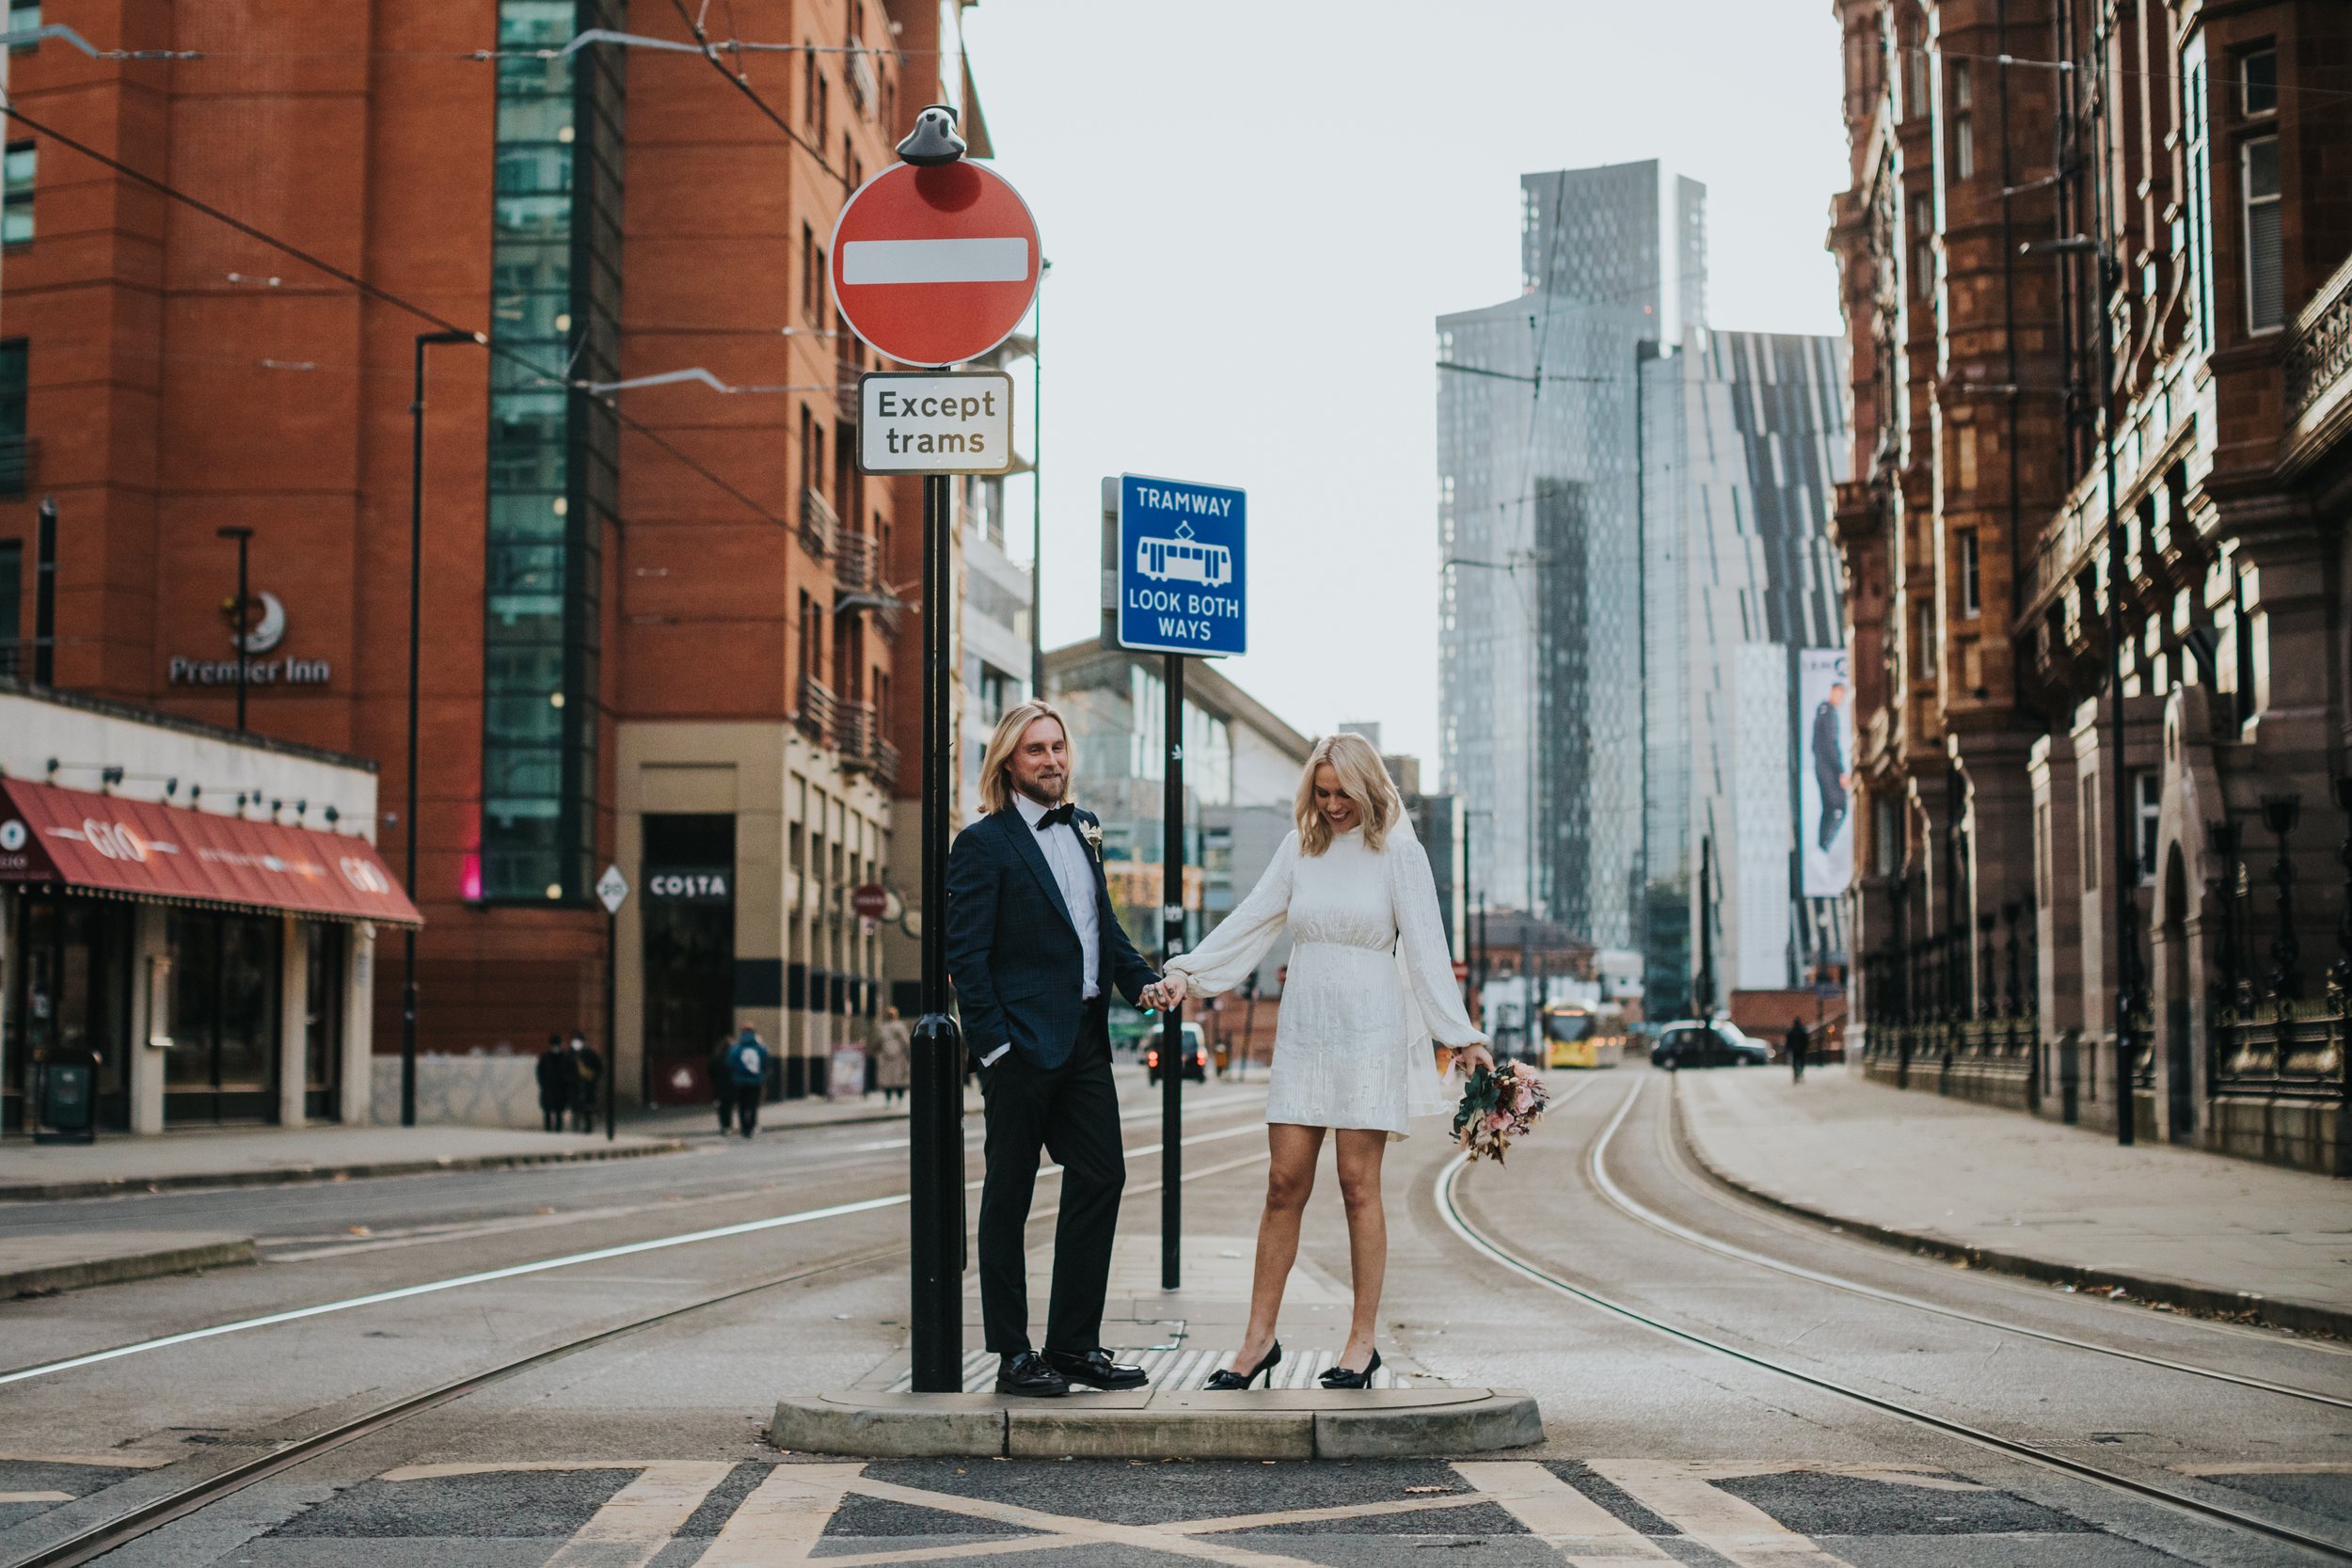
{"x":935,"y":266}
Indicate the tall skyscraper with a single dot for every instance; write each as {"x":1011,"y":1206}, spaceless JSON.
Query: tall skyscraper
{"x":1613,"y":562}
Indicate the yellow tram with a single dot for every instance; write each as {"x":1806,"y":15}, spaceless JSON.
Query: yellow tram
{"x":1584,"y":1034}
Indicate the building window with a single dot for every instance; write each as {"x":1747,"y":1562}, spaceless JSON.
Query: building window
{"x":2257,"y":84}
{"x":1923,"y":246}
{"x":809,"y":272}
{"x":24,"y":17}
{"x":1963,"y":124}
{"x":2089,"y":828}
{"x":1923,"y":645}
{"x":15,"y":450}
{"x":998,"y":693}
{"x":1885,"y":824}
{"x":2148,"y":797}
{"x":16,"y":218}
{"x":1971,"y":586}
{"x":2266,"y":288}
{"x":554,"y":255}
{"x":12,"y":607}
{"x":1915,"y":80}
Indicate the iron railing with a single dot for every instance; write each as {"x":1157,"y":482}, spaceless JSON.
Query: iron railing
{"x":820,"y":526}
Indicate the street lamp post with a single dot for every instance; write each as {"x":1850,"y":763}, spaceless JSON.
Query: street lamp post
{"x":243,"y":537}
{"x":408,"y":822}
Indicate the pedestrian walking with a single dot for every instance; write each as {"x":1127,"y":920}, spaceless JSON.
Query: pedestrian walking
{"x":559,"y":1080}
{"x":590,"y":1069}
{"x":894,"y":1055}
{"x":1799,"y":1044}
{"x":747,"y":1074}
{"x":722,"y":1083}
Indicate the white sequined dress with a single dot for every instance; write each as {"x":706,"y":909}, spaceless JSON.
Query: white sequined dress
{"x":1370,"y":981}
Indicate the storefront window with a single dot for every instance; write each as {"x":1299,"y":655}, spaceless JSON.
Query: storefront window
{"x":224,"y":1018}
{"x":323,"y":1019}
{"x":688,"y":874}
{"x":70,"y":996}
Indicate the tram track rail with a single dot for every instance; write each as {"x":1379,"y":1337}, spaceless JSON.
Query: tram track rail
{"x":1447,"y":1193}
{"x":102,"y":1537}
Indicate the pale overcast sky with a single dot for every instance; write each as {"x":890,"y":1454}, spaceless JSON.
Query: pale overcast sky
{"x":1255,"y":210}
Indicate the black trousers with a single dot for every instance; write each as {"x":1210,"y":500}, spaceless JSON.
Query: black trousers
{"x":1070,"y":1112}
{"x":747,"y":1097}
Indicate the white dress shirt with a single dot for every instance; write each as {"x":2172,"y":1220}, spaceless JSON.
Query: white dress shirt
{"x":1073,"y":873}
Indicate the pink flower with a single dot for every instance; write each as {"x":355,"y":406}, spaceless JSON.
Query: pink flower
{"x":1497,"y":1121}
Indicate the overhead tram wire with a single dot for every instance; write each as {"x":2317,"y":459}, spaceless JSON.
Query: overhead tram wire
{"x":383,"y":296}
{"x":742,"y":83}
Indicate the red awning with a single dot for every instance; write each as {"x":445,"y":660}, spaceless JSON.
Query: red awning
{"x":146,"y":849}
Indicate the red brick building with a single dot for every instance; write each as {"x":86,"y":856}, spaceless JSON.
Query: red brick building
{"x":662,"y":623}
{"x":2004,"y":151}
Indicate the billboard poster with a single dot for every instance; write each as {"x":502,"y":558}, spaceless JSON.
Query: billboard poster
{"x":1825,"y":770}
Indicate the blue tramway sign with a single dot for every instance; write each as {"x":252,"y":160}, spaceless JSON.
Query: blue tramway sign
{"x":1182,"y":566}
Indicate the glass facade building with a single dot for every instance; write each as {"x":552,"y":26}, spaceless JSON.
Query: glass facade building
{"x":1614,"y":560}
{"x":555,"y":312}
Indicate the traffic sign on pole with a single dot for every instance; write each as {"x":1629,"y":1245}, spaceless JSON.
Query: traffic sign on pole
{"x":1183,"y":566}
{"x":935,"y":266}
{"x":934,"y":422}
{"x":612,"y":888}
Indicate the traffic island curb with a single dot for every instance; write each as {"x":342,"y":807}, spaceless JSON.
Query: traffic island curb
{"x":28,"y":1278}
{"x":1387,"y":1423}
{"x":132,"y":1186}
{"x":2244,"y":1307}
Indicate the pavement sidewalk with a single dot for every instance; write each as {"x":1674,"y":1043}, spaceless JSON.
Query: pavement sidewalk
{"x":2017,"y":1193}
{"x":259,"y":1156}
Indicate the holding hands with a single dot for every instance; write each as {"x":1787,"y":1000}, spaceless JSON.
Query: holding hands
{"x":1162,"y":994}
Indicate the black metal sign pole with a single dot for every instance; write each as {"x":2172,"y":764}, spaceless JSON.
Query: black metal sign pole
{"x":935,"y":1108}
{"x":1172,"y":1060}
{"x":612,"y":1015}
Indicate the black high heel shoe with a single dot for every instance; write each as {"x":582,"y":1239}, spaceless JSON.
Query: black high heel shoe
{"x":1226,"y":1381}
{"x":1340,"y":1377}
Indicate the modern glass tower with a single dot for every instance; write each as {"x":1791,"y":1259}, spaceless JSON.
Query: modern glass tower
{"x":1615,"y":563}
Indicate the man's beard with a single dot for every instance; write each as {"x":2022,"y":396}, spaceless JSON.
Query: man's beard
{"x":1035,"y":790}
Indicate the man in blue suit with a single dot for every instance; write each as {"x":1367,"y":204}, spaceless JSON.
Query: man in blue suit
{"x":1034,"y":948}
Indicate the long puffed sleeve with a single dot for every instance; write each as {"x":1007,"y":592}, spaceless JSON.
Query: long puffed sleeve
{"x":1233,"y":951}
{"x":1421,"y":930}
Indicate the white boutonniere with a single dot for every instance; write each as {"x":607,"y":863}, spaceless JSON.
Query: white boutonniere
{"x":1092,"y":833}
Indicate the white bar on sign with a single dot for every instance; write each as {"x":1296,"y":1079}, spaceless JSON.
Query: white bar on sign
{"x":935,"y":262}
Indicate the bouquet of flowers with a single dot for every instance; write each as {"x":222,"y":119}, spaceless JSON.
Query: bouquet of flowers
{"x":1498,"y":1106}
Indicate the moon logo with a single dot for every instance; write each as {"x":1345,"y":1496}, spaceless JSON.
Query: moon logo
{"x":269,"y":632}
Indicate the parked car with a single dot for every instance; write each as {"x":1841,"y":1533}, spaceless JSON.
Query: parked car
{"x":1694,"y":1042}
{"x":1196,"y":1055}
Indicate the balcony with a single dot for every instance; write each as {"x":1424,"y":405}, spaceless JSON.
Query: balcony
{"x":819,"y":712}
{"x":820,"y":525}
{"x":857,"y":580}
{"x":2319,"y":371}
{"x":857,"y":732}
{"x":845,"y":393}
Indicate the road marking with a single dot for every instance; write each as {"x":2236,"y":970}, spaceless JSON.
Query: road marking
{"x":101,"y":1461}
{"x":1063,"y":1531}
{"x":2270,"y":1468}
{"x":432,"y":1287}
{"x":1313,"y":1515}
{"x":7,"y":1497}
{"x":783,"y":1517}
{"x":642,"y":1518}
{"x":1731,"y":1527}
{"x":1560,"y":1513}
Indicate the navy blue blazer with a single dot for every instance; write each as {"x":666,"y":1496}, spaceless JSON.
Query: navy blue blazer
{"x":1012,"y":951}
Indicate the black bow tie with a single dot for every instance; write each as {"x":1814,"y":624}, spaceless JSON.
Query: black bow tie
{"x":1063,"y":816}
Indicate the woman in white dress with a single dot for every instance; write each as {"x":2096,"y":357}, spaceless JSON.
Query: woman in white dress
{"x":1370,"y":985}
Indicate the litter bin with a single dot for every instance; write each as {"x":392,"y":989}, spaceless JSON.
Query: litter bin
{"x":68,"y":1100}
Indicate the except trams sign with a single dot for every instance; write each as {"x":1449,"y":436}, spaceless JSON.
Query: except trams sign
{"x":914,"y":424}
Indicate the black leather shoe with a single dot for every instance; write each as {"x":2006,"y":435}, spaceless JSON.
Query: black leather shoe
{"x":1340,"y":1377}
{"x":1030,"y":1374}
{"x":1226,"y":1381}
{"x":1095,"y":1368}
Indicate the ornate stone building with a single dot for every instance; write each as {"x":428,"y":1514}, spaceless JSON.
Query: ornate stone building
{"x":2094,"y":268}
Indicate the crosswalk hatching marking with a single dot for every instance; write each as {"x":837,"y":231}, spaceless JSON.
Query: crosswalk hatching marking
{"x":1180,"y":1366}
{"x":783,"y":1518}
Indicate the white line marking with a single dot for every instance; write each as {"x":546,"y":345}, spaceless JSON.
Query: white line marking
{"x":1560,"y":1513}
{"x":643,"y":1518}
{"x":992,"y":261}
{"x":7,"y":1498}
{"x":783,"y":1519}
{"x":517,"y":1271}
{"x":1732,"y":1527}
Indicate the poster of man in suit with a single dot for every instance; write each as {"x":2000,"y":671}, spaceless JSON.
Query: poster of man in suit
{"x":1826,"y":774}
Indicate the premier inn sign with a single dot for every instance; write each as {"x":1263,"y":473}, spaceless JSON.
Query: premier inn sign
{"x":257,"y":637}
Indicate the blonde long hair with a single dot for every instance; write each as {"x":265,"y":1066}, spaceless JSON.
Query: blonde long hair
{"x":997,"y":762}
{"x":1364,"y":778}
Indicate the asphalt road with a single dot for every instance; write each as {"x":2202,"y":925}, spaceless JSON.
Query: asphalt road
{"x":646,"y":1449}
